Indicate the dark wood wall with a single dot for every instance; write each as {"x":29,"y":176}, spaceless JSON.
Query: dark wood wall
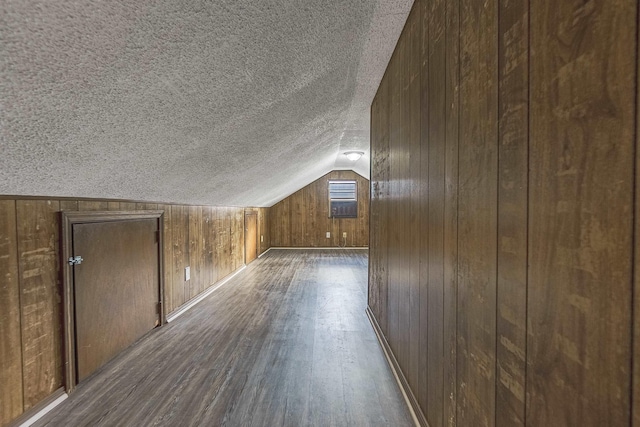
{"x":302,"y":219}
{"x":502,"y":213}
{"x":208,"y":239}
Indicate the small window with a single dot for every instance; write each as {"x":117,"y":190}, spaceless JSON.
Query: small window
{"x":343,"y":199}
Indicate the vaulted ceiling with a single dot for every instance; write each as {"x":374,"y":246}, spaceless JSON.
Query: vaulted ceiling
{"x":227,"y":103}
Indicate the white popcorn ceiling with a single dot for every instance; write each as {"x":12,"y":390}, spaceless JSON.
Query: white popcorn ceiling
{"x":225,"y":103}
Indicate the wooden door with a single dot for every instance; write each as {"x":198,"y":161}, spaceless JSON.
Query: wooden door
{"x":250,"y":236}
{"x":116,"y":288}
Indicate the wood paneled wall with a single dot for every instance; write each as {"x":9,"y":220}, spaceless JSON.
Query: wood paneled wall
{"x":208,"y":239}
{"x":264,"y":230}
{"x":502,"y":243}
{"x":302,"y":219}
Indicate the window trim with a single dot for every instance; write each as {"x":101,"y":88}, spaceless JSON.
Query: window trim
{"x":351,"y":201}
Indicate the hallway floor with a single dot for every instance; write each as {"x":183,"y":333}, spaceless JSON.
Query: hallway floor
{"x":285,"y":343}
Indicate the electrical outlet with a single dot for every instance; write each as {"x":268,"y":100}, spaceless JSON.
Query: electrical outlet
{"x":261,"y":238}
{"x":328,"y":234}
{"x":344,"y":234}
{"x":187,"y":273}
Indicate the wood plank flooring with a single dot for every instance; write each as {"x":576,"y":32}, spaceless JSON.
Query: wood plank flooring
{"x":285,"y":343}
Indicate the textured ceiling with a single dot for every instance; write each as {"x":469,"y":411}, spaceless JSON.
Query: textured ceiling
{"x":228,"y":103}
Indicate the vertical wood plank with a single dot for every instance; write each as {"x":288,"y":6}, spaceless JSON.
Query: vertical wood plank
{"x":217,"y":248}
{"x":146,"y":206}
{"x":68,"y":205}
{"x":395,"y":240}
{"x":274,"y":224}
{"x":226,"y":241}
{"x":422,"y":391}
{"x":267,"y":229}
{"x":92,"y":205}
{"x":513,"y":68}
{"x":413,"y":101}
{"x":477,"y":214}
{"x":195,"y":250}
{"x":404,"y":300}
{"x":452,"y":96}
{"x":362,"y":222}
{"x":635,"y":363}
{"x":167,"y":255}
{"x":40,"y":297}
{"x":375,"y":259}
{"x":237,"y":241}
{"x":127,"y":206}
{"x":580,"y":203}
{"x":436,"y":191}
{"x":298,"y":219}
{"x":208,"y":245}
{"x":284,"y":222}
{"x":382,"y":181}
{"x":11,"y":403}
{"x":180,"y":242}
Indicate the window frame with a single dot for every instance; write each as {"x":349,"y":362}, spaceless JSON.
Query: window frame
{"x":348,"y":206}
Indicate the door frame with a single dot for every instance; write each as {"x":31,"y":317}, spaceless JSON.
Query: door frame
{"x":68,"y":220}
{"x":251,"y":212}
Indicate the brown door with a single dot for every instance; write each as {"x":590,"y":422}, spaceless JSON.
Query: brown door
{"x":250,"y":236}
{"x":116,"y":288}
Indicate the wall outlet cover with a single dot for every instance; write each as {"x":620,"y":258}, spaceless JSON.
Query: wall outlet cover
{"x":344,"y":234}
{"x":328,"y":234}
{"x":261,"y":238}
{"x":187,"y":273}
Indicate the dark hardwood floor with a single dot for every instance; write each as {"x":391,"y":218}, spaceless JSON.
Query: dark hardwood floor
{"x":285,"y":343}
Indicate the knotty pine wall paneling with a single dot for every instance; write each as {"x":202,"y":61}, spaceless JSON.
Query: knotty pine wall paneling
{"x":527,"y":175}
{"x":209,"y":239}
{"x":302,"y":219}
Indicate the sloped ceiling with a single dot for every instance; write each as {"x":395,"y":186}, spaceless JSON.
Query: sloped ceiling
{"x":227,"y":103}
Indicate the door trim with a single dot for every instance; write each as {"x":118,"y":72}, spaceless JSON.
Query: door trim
{"x":69,"y":218}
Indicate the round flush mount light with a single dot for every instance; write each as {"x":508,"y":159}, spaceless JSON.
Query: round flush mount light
{"x":353,"y":155}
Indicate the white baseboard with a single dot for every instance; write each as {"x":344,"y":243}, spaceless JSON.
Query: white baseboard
{"x":173,"y":316}
{"x":390,"y":361}
{"x":44,"y":411}
{"x":293,"y":248}
{"x":259,"y":256}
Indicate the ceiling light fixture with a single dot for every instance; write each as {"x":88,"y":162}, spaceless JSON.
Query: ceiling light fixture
{"x":353,"y":155}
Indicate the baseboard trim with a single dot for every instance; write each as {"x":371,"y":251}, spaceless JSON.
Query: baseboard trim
{"x":411,"y":401}
{"x":293,"y":248}
{"x":40,"y":410}
{"x":260,"y":256}
{"x":189,"y":304}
